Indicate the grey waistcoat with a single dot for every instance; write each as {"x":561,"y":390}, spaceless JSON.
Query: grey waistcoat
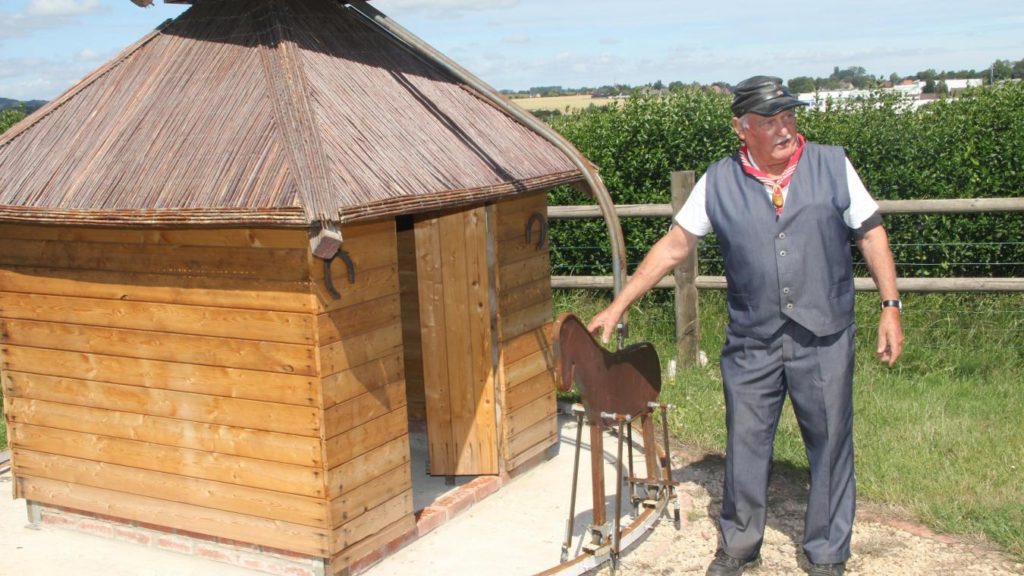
{"x":796,"y":267}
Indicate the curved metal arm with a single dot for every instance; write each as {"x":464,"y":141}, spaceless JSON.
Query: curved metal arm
{"x":589,"y":172}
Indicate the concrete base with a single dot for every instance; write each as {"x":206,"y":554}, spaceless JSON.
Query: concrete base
{"x":514,"y":526}
{"x":435,"y":500}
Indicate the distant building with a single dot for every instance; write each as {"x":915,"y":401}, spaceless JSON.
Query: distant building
{"x":820,"y":100}
{"x":910,"y":89}
{"x":957,"y":85}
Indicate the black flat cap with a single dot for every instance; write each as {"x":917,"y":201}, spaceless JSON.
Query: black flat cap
{"x":764,"y":95}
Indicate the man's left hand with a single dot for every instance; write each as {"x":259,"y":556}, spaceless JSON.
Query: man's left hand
{"x":890,"y":336}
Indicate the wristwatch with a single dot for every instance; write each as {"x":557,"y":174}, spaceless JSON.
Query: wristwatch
{"x":897,"y":304}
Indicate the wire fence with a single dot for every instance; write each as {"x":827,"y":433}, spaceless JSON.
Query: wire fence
{"x":927,"y":261}
{"x":581,"y":260}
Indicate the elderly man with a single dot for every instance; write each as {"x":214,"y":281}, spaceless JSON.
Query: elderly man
{"x":785,"y":211}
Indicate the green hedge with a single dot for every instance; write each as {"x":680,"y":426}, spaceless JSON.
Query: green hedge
{"x":971,"y":147}
{"x":10,"y":117}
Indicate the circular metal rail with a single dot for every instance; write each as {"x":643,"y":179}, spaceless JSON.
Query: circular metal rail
{"x":629,"y":535}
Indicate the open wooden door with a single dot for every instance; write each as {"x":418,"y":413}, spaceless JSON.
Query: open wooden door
{"x":458,"y":366}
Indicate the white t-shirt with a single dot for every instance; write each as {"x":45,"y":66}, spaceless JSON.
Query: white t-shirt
{"x":693,"y":216}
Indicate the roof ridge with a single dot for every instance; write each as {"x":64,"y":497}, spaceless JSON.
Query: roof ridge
{"x":14,"y":131}
{"x":294,"y":113}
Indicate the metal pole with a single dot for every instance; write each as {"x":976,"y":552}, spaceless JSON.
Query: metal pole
{"x":617,"y":531}
{"x":570,"y":524}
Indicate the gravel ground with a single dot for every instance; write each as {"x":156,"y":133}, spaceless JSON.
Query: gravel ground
{"x":883,"y":543}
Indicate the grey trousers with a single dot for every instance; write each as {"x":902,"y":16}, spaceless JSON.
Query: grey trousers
{"x":817,"y":373}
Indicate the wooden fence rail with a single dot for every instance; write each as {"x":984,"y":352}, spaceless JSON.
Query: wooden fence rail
{"x":952,"y":206}
{"x":686,"y":282}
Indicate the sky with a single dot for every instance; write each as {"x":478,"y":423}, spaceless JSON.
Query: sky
{"x":47,"y":45}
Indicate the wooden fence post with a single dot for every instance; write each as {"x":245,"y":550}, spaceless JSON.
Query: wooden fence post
{"x":687,"y":310}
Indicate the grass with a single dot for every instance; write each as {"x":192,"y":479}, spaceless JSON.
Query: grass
{"x":939,"y":436}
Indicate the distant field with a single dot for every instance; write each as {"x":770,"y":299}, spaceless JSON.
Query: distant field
{"x":560,"y":103}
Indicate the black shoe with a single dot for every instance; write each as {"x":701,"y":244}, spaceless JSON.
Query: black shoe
{"x":828,"y":569}
{"x":725,"y":565}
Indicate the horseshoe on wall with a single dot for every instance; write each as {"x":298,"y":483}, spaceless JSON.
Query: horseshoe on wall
{"x":543,"y":236}
{"x":349,"y":266}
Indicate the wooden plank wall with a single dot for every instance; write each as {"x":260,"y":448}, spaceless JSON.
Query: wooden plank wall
{"x":366,"y":449}
{"x":526,"y":364}
{"x":458,"y":365}
{"x":168,"y":377}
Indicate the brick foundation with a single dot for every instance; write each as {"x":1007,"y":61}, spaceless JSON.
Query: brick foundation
{"x":250,"y":556}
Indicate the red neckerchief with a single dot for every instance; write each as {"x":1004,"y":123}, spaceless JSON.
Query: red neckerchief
{"x":782,"y":181}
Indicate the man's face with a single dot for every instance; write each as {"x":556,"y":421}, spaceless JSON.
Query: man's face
{"x":770,"y":139}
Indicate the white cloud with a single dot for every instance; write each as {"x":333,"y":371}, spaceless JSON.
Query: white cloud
{"x":35,"y":78}
{"x":12,"y":25}
{"x":476,"y":5}
{"x":45,"y":14}
{"x":61,"y":8}
{"x":88,"y":55}
{"x":516,"y":39}
{"x":442,"y":9}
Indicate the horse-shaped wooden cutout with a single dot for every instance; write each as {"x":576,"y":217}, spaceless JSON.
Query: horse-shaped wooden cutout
{"x":615,"y":389}
{"x":622,"y":382}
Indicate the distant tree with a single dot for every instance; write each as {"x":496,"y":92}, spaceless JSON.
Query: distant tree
{"x":676,"y":85}
{"x":1018,"y":69}
{"x":862,"y":82}
{"x":546,"y":115}
{"x":801,"y":84}
{"x":962,"y":74}
{"x":927,"y":75}
{"x":658,"y":85}
{"x":855,"y":76}
{"x":895,"y":78}
{"x":929,"y":86}
{"x":546,"y":90}
{"x":941,"y":88}
{"x":829,"y":83}
{"x":10,"y":117}
{"x":1002,"y":70}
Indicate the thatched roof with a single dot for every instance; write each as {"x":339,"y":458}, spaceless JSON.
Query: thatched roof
{"x":283,"y":112}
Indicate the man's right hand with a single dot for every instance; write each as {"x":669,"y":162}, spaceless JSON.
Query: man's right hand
{"x":605,"y":322}
{"x":666,"y":253}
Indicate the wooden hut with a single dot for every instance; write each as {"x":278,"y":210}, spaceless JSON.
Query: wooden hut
{"x":184,"y":346}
